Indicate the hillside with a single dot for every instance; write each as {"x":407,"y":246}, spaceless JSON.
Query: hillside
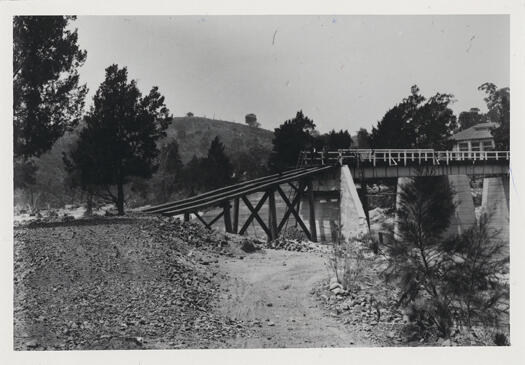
{"x":193,"y":134}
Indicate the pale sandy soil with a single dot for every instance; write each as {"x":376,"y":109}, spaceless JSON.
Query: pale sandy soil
{"x":272,"y":291}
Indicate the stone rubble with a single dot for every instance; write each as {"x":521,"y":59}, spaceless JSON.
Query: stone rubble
{"x":119,"y":283}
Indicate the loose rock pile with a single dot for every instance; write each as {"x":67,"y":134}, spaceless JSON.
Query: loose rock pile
{"x":116,"y":284}
{"x":366,"y":310}
{"x":284,"y":243}
{"x":197,"y":236}
{"x":373,"y":311}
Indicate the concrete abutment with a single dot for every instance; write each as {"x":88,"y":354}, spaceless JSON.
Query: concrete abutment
{"x":353,"y":217}
{"x":337,"y":204}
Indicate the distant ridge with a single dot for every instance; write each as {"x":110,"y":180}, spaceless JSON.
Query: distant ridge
{"x":194,"y":135}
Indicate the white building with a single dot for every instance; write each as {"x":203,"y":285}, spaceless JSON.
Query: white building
{"x":476,"y":138}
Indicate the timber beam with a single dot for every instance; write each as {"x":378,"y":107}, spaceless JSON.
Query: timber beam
{"x":311,"y":206}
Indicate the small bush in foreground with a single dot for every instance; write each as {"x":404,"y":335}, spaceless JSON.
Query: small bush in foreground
{"x":348,"y":260}
{"x":444,"y":283}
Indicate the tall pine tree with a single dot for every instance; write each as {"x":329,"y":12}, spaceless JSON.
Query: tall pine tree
{"x":47,"y":97}
{"x":120,"y":135}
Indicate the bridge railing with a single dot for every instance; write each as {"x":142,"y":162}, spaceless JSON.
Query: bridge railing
{"x":399,"y":157}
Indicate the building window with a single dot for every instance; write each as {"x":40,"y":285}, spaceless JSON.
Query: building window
{"x":463,"y":146}
{"x":487,"y":146}
{"x":475,"y":146}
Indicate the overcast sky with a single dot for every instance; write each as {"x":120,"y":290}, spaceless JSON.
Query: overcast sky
{"x":344,"y":72}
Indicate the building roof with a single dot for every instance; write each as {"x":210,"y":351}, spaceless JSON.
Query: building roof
{"x":479,"y":131}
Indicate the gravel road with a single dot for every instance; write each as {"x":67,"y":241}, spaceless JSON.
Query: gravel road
{"x":272,"y":292}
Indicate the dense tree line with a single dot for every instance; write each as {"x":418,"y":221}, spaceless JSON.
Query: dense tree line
{"x":416,"y":122}
{"x":299,"y":134}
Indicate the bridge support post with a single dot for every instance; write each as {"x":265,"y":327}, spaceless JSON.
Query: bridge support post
{"x":311,"y":204}
{"x":495,"y":206}
{"x":272,"y":215}
{"x":236,"y":215}
{"x":227,"y":217}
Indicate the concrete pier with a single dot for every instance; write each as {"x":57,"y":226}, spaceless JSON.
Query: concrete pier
{"x":401,"y":183}
{"x":495,"y":206}
{"x":464,"y":216}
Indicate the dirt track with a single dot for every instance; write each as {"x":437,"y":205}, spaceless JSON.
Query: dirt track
{"x":272,"y":290}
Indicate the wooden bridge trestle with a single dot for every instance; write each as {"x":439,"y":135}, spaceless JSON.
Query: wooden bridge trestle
{"x":270,"y":186}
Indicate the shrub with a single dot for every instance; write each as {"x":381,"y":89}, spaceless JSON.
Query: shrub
{"x":475,"y":274}
{"x":348,"y":260}
{"x":443,"y":282}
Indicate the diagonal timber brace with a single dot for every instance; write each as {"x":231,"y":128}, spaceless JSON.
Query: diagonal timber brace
{"x":292,"y":210}
{"x":254,"y":214}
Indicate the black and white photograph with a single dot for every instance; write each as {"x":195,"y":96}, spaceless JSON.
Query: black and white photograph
{"x":260,"y":181}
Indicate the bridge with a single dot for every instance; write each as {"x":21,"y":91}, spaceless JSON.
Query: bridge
{"x":385,"y":163}
{"x":321,"y":198}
